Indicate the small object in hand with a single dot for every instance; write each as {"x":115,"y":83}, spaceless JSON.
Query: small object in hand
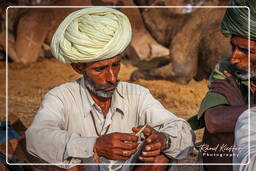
{"x":140,"y":131}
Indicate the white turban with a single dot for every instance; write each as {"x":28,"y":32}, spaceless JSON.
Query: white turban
{"x":91,"y":34}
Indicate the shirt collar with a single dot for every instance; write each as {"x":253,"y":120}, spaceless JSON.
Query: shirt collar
{"x":117,"y":103}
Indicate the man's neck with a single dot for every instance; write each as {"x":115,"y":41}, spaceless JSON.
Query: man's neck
{"x":103,"y":103}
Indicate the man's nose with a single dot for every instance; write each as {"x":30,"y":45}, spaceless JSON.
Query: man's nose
{"x":111,"y":76}
{"x":235,"y":58}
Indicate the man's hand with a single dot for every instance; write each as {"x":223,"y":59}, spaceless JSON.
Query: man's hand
{"x":116,"y":146}
{"x":155,"y":143}
{"x":229,"y":89}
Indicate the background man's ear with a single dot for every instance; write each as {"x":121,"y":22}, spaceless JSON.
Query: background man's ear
{"x":78,"y":68}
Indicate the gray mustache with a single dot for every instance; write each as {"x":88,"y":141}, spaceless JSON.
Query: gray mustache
{"x":107,"y":85}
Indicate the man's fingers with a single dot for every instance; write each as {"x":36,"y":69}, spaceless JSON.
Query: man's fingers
{"x":232,"y":81}
{"x":126,"y":137}
{"x":125,"y":153}
{"x":152,"y":147}
{"x":222,"y":92}
{"x":147,"y":159}
{"x":225,"y":83}
{"x":128,"y":153}
{"x":227,"y":74}
{"x":126,"y":145}
{"x":151,"y":138}
{"x":147,"y":131}
{"x":150,"y":153}
{"x":220,"y":89}
{"x":136,"y":129}
{"x":220,"y":86}
{"x":230,"y":78}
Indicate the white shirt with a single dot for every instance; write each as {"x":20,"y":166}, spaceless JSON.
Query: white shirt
{"x":242,"y":134}
{"x":63,"y":131}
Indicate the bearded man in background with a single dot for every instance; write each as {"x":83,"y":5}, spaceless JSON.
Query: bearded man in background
{"x":229,"y":85}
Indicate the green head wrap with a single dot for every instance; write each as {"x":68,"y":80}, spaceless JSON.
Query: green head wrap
{"x":235,"y":21}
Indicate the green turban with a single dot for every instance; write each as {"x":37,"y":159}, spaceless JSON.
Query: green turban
{"x":235,"y":21}
{"x":91,"y":34}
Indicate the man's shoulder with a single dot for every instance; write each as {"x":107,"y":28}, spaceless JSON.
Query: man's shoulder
{"x":65,"y":88}
{"x":244,"y":117}
{"x":126,"y":88}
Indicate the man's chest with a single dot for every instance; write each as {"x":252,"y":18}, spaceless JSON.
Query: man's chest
{"x":93,"y":123}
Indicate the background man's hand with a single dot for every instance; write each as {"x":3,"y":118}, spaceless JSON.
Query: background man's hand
{"x":116,"y":146}
{"x":229,"y":89}
{"x":155,"y":143}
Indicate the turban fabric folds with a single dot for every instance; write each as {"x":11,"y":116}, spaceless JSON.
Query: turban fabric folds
{"x":91,"y":34}
{"x":235,"y":21}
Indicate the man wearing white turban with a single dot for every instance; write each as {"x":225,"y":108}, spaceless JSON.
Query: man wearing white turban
{"x":96,"y":118}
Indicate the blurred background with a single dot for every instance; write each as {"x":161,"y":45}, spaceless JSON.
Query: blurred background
{"x":172,"y":52}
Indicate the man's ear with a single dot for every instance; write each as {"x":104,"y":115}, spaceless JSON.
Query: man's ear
{"x":78,"y":67}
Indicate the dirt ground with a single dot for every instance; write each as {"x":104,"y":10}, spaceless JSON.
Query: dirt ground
{"x":27,"y":85}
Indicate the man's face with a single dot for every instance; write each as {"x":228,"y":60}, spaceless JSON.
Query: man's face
{"x":239,"y":59}
{"x":101,"y":76}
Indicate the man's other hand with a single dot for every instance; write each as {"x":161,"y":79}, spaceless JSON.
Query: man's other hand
{"x":155,"y":143}
{"x":116,"y":146}
{"x":229,"y":89}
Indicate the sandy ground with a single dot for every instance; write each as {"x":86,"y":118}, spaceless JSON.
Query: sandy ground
{"x":27,"y":85}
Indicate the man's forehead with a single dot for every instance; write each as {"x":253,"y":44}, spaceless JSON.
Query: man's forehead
{"x":105,"y":61}
{"x":243,"y":42}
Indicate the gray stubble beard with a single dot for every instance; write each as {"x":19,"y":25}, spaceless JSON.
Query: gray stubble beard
{"x":245,"y":76}
{"x":97,"y":90}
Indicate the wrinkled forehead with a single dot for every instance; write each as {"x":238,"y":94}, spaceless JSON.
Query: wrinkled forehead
{"x":243,"y":42}
{"x":105,"y":61}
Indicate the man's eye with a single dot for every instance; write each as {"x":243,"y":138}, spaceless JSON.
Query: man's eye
{"x":253,"y":52}
{"x":116,"y":64}
{"x":99,"y":69}
{"x":245,"y":51}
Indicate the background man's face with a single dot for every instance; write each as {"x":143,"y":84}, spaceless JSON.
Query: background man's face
{"x":101,"y":76}
{"x":239,"y":58}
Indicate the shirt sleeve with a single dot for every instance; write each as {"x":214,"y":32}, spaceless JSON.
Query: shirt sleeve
{"x":47,"y":139}
{"x":179,"y":131}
